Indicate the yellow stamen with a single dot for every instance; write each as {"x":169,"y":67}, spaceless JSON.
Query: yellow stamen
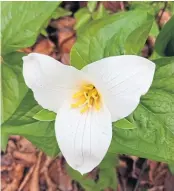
{"x":87,"y":98}
{"x":96,"y":104}
{"x":81,"y":101}
{"x":88,"y":87}
{"x":84,"y":109}
{"x":78,"y":94}
{"x":90,"y":102}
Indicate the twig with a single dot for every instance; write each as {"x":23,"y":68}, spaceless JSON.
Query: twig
{"x":34,"y":184}
{"x":140,"y":176}
{"x":26,"y":179}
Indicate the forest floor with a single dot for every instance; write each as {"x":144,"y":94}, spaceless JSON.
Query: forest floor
{"x":25,"y":168}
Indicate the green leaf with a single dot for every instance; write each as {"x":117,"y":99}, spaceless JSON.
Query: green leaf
{"x":93,"y":44}
{"x":138,"y":37}
{"x":92,"y":5}
{"x":13,"y":86}
{"x":107,"y":179}
{"x":140,"y":5}
{"x":44,"y":32}
{"x":45,"y":115}
{"x":154,"y":30}
{"x":25,"y":111}
{"x":164,"y":45}
{"x":153,"y":138}
{"x":83,"y":16}
{"x":22,"y":21}
{"x":4,"y":141}
{"x":41,"y":134}
{"x":107,"y":172}
{"x":60,"y":12}
{"x":101,"y":12}
{"x":124,"y":124}
{"x":107,"y":175}
{"x":18,"y":103}
{"x":151,"y":7}
{"x":154,"y":117}
{"x":87,"y":183}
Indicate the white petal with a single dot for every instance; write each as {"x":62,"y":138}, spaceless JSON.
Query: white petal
{"x":50,"y":80}
{"x":83,"y":138}
{"x":121,"y":80}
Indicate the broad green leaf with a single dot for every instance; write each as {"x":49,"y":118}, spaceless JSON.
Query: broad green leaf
{"x":41,"y":134}
{"x":22,"y":21}
{"x":154,"y":136}
{"x":164,"y":45}
{"x":138,"y":37}
{"x":45,"y":115}
{"x":25,"y":111}
{"x":13,"y":86}
{"x":154,"y":30}
{"x":124,"y":124}
{"x":107,"y":179}
{"x":107,"y":173}
{"x":92,"y":5}
{"x":107,"y":37}
{"x":83,"y":16}
{"x":18,"y":104}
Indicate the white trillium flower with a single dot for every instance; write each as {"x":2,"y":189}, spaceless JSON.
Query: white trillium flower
{"x":87,"y":101}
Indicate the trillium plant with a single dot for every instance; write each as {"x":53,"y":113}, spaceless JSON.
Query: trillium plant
{"x":107,"y":101}
{"x":87,"y":101}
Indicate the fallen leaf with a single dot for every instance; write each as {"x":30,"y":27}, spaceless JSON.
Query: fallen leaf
{"x":44,"y":46}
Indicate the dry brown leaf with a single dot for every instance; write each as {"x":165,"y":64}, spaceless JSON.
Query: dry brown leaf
{"x":53,"y":171}
{"x":113,"y":6}
{"x":17,"y":174}
{"x":25,"y":146}
{"x":11,"y":146}
{"x":29,"y":158}
{"x":50,"y":184}
{"x":6,"y":160}
{"x":169,"y":182}
{"x":44,"y":46}
{"x":152,"y":167}
{"x":66,"y":22}
{"x":164,"y":18}
{"x":66,"y":40}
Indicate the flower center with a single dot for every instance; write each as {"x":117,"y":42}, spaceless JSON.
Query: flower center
{"x":87,"y":98}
